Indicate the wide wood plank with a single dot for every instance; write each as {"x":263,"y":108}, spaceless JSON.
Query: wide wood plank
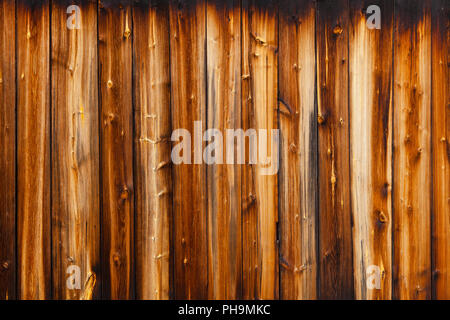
{"x":153,"y":176}
{"x":75,"y":148}
{"x":335,"y":234}
{"x":224,"y":180}
{"x":412,"y":149}
{"x":262,"y":58}
{"x":440,"y":40}
{"x":115,"y":58}
{"x":33,"y":149}
{"x":298,"y":167}
{"x":188,"y":104}
{"x":370,"y":58}
{"x":8,"y":151}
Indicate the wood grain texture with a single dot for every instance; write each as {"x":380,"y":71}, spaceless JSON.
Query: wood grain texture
{"x":440,"y":40}
{"x":75,"y":148}
{"x":224,"y":180}
{"x":335,"y":235}
{"x":188,"y":76}
{"x":262,"y":50}
{"x":153,"y":176}
{"x":298,"y":167}
{"x":370,"y":58}
{"x":412,"y":147}
{"x":115,"y":61}
{"x":7,"y":151}
{"x":33,"y":149}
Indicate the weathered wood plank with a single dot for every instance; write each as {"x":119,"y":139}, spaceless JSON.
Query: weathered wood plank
{"x":224,"y":180}
{"x":370,"y":58}
{"x":440,"y":37}
{"x":412,"y":148}
{"x":33,"y":149}
{"x":262,"y":49}
{"x":188,"y":69}
{"x":75,"y":147}
{"x":115,"y":58}
{"x":8,"y":151}
{"x":335,"y":240}
{"x":153,"y":176}
{"x":298,"y":155}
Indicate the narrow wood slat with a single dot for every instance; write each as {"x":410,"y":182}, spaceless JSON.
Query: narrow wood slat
{"x":224,"y":180}
{"x":440,"y":37}
{"x":33,"y":150}
{"x":7,"y":151}
{"x":262,"y":57}
{"x":153,"y":176}
{"x":412,"y":148}
{"x":370,"y":58}
{"x":188,"y":104}
{"x":335,"y":234}
{"x":75,"y":147}
{"x":115,"y":62}
{"x":298,"y":155}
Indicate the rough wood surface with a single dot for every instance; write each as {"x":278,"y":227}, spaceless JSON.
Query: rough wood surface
{"x":75,"y":148}
{"x":335,"y":234}
{"x":153,"y":182}
{"x":370,"y":58}
{"x":224,"y":180}
{"x":440,"y":37}
{"x":412,"y":148}
{"x":116,"y":116}
{"x":298,"y":155}
{"x":7,"y":151}
{"x":33,"y":150}
{"x":188,"y":104}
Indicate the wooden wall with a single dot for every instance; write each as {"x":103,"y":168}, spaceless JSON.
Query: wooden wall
{"x":86,"y":179}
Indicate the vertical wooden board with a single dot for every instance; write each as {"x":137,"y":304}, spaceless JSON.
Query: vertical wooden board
{"x":298,"y":167}
{"x":412,"y":147}
{"x":250,"y":247}
{"x":224,"y":180}
{"x":75,"y":147}
{"x":262,"y":50}
{"x":153,"y":177}
{"x":335,"y":234}
{"x":188,"y":102}
{"x":33,"y":149}
{"x":8,"y":151}
{"x":115,"y":59}
{"x":440,"y":37}
{"x":370,"y":58}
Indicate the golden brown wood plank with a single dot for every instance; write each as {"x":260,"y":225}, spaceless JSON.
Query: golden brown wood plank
{"x":153,"y":177}
{"x":412,"y":147}
{"x":335,"y":240}
{"x":115,"y":58}
{"x":224,"y":178}
{"x":370,"y":58}
{"x":75,"y":146}
{"x":298,"y":155}
{"x":33,"y":149}
{"x":440,"y":37}
{"x":7,"y":151}
{"x":188,"y":101}
{"x":262,"y":57}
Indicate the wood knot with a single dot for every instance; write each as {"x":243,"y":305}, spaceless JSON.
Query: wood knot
{"x":5,"y":265}
{"x":125,"y":193}
{"x":116,"y":258}
{"x":320,"y":119}
{"x":337,"y":30}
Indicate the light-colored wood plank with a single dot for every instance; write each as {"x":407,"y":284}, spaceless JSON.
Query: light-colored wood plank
{"x":224,"y":180}
{"x":412,"y":149}
{"x":115,"y":62}
{"x":153,"y":176}
{"x":75,"y":148}
{"x":370,"y":58}
{"x":298,"y":155}
{"x":33,"y":149}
